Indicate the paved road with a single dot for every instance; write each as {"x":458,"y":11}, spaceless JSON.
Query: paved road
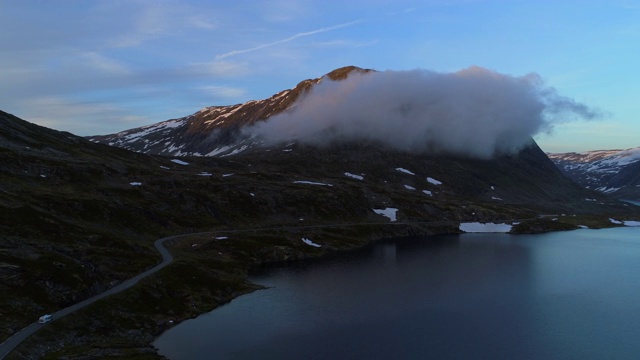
{"x":8,"y":345}
{"x":20,"y":336}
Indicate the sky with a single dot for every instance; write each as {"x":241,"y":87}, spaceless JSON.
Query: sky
{"x":103,"y":66}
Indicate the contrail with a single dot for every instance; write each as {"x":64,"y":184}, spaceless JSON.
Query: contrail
{"x":299,"y":35}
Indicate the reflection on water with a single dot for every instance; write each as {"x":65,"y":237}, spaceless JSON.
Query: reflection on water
{"x":563,"y":295}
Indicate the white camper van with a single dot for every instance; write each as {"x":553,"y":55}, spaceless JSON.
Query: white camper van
{"x":44,"y":319}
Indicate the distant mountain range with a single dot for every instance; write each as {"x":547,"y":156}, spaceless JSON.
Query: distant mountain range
{"x":613,"y":172}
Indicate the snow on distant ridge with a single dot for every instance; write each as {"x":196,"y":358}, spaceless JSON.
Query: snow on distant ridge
{"x":593,"y":169}
{"x":623,"y":157}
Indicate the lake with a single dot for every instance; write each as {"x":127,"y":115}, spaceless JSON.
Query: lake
{"x":563,"y":295}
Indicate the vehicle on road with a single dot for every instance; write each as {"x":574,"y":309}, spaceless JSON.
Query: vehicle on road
{"x":44,"y":319}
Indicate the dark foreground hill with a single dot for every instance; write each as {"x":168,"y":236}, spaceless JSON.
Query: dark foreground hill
{"x":78,"y":217}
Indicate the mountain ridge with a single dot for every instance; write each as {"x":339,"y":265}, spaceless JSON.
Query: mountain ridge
{"x":613,"y":172}
{"x":214,"y":130}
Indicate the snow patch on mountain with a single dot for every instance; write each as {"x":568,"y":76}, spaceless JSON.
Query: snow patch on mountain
{"x":311,"y":183}
{"x":434,"y":181}
{"x":354,"y":176}
{"x":476,"y":227}
{"x":310,"y":243}
{"x":405,"y":171}
{"x":388,"y":212}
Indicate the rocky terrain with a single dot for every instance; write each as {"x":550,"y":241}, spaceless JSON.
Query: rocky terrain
{"x":78,"y":217}
{"x":215,"y":130}
{"x":614,"y":172}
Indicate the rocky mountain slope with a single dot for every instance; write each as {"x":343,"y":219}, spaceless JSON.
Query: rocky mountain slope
{"x":614,"y":172}
{"x":215,"y":130}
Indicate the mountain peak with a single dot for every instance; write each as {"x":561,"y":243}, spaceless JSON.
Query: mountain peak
{"x":343,"y":72}
{"x":215,"y":130}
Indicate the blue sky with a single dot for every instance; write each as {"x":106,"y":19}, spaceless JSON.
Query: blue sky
{"x":97,"y":67}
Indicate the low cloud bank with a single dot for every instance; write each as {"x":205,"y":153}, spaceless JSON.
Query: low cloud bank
{"x":475,"y":112}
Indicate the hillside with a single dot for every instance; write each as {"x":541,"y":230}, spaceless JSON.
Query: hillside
{"x":613,"y":172}
{"x":79,"y":217}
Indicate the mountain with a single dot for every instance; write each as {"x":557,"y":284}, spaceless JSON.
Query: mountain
{"x":215,"y":130}
{"x":614,"y":172}
{"x":78,"y":217}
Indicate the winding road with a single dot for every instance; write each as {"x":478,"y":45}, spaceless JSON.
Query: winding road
{"x":8,"y":345}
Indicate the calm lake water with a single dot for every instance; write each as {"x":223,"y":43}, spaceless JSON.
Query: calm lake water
{"x":565,"y":295}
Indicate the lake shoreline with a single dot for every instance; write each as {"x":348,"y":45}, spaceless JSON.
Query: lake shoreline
{"x":534,"y":226}
{"x":240,"y":258}
{"x":310,"y":290}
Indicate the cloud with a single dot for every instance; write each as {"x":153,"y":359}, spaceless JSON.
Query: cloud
{"x":145,"y":21}
{"x":224,"y":91}
{"x":474,"y":112}
{"x":282,"y":41}
{"x":217,"y":68}
{"x":105,"y":64}
{"x":284,"y":10}
{"x":344,"y":43}
{"x":78,"y":117}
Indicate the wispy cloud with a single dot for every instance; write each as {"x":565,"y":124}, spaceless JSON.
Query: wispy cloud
{"x":154,"y":20}
{"x":278,"y":11}
{"x":224,"y":91}
{"x":282,"y":41}
{"x":79,"y":117}
{"x":217,"y":68}
{"x":105,"y":64}
{"x":345,"y":43}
